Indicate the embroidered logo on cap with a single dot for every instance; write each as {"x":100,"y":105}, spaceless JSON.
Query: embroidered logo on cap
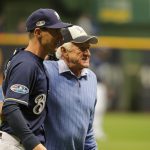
{"x":40,"y":23}
{"x":80,"y":29}
{"x":58,"y":17}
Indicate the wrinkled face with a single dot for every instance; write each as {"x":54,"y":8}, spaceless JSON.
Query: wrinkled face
{"x":50,"y":39}
{"x":79,"y":55}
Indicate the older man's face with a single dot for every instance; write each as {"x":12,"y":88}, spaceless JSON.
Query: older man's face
{"x":80,"y":55}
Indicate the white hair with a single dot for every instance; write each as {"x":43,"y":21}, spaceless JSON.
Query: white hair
{"x":67,"y":46}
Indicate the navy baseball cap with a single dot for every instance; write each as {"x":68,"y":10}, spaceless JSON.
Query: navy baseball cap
{"x":47,"y":18}
{"x":76,"y":34}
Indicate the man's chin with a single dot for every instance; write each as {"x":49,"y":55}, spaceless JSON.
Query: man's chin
{"x":86,"y":65}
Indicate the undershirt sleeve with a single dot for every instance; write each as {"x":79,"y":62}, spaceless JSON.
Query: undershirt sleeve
{"x":19,"y":125}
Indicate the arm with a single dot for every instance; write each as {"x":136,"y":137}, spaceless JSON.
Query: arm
{"x":1,"y":105}
{"x":90,"y":142}
{"x":1,"y":101}
{"x":20,"y":127}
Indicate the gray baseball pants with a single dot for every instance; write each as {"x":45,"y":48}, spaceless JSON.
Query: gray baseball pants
{"x":9,"y":142}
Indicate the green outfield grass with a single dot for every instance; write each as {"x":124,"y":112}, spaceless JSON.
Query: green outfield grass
{"x":126,"y":131}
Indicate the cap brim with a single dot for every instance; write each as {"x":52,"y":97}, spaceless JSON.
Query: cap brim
{"x":59,"y":25}
{"x":83,"y":39}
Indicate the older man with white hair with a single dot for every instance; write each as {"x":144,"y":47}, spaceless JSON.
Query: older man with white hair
{"x":72,"y":96}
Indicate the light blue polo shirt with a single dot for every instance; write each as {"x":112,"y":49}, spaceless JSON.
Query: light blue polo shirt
{"x":1,"y":95}
{"x":71,"y":104}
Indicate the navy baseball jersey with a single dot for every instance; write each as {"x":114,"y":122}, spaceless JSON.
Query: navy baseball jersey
{"x":26,"y":83}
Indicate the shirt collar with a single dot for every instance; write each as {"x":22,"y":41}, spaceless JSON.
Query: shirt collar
{"x":62,"y":66}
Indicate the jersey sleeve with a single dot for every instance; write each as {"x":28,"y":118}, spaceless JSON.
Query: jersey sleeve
{"x":19,"y":82}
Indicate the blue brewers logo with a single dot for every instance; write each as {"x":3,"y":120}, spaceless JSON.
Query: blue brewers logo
{"x":18,"y":88}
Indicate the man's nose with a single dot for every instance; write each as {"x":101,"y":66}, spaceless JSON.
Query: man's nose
{"x":87,"y":52}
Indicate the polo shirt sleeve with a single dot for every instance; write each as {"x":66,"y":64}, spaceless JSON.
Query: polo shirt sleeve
{"x":90,"y":141}
{"x":21,"y":78}
{"x":1,"y":94}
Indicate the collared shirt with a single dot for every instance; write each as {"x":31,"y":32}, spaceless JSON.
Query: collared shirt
{"x":1,"y":95}
{"x":71,"y":104}
{"x":62,"y":66}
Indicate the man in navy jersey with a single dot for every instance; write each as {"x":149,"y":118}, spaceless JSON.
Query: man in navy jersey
{"x":25,"y":84}
{"x":72,"y":95}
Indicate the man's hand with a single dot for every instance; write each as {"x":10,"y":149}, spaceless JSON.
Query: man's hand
{"x":40,"y":147}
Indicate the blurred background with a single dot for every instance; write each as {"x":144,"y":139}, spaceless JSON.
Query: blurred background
{"x":121,"y":61}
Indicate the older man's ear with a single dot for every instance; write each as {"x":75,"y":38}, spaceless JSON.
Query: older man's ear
{"x":61,"y":52}
{"x":64,"y":52}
